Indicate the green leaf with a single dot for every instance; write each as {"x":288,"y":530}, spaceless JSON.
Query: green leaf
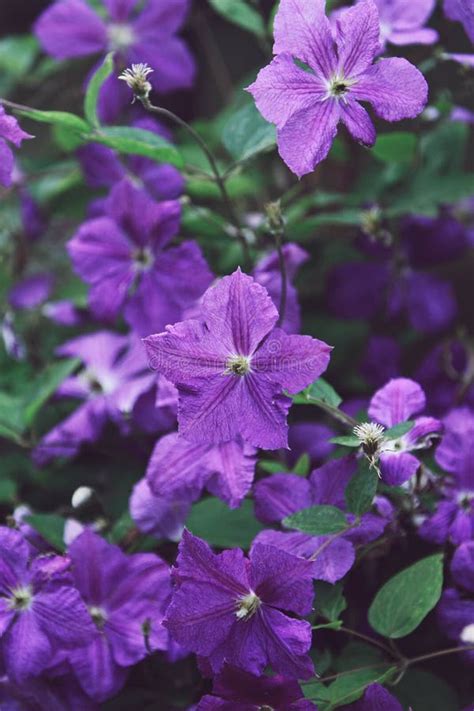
{"x":220,"y":526}
{"x":247,"y":133}
{"x":11,"y":421}
{"x":317,"y":520}
{"x":50,"y":526}
{"x":329,"y":601}
{"x":405,"y":600}
{"x":346,"y":441}
{"x":240,"y":13}
{"x":45,"y":385}
{"x":302,"y":466}
{"x":138,"y":141}
{"x":361,"y":489}
{"x":395,"y":147}
{"x":319,"y":390}
{"x":346,"y":688}
{"x":271,"y":466}
{"x":93,"y":89}
{"x":58,"y":118}
{"x":7,"y":490}
{"x":399,"y":430}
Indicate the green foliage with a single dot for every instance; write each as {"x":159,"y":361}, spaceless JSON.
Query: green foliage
{"x":405,"y":600}
{"x":246,"y":133}
{"x":317,"y":520}
{"x":329,"y":601}
{"x":17,"y":55}
{"x":320,"y":391}
{"x":302,"y":466}
{"x":399,"y":430}
{"x":361,"y":489}
{"x":94,"y":87}
{"x":140,"y":142}
{"x":395,"y":147}
{"x":63,"y":119}
{"x":220,"y":526}
{"x":346,"y":688}
{"x":50,"y":526}
{"x":240,"y":13}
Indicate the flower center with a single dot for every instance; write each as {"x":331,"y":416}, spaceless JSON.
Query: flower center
{"x":99,"y":616}
{"x":247,"y":606}
{"x":465,"y":500}
{"x":120,"y":37}
{"x":143,"y":258}
{"x":238,"y":365}
{"x":338,"y":86}
{"x":21,"y":599}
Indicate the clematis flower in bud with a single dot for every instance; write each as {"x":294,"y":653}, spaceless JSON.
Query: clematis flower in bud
{"x":307,"y":104}
{"x":10,"y":132}
{"x":41,"y":611}
{"x":232,"y":366}
{"x":230,"y":609}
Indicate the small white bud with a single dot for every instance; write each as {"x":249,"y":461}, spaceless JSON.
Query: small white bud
{"x":467,"y":635}
{"x":81,"y":496}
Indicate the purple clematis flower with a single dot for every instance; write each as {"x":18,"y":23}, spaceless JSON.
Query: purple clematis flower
{"x":10,"y":132}
{"x":461,"y":11}
{"x":232,"y":367}
{"x":41,"y":611}
{"x":102,"y":167}
{"x":445,"y":376}
{"x":158,"y":516}
{"x":393,"y":404}
{"x":280,"y":495}
{"x":136,"y":32}
{"x":455,"y":615}
{"x":126,"y":597}
{"x":376,"y":698}
{"x":307,"y":106}
{"x":230,"y":609}
{"x":182,"y":469}
{"x":122,"y":256}
{"x":267,"y":273}
{"x":114,"y":376}
{"x":236,"y":690}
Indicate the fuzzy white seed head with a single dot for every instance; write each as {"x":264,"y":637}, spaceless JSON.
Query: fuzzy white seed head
{"x":369,"y":433}
{"x":136,"y":78}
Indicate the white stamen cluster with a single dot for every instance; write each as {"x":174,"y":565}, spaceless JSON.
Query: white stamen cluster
{"x":21,"y":598}
{"x":99,"y":616}
{"x":237,"y":365}
{"x":136,"y":78}
{"x":369,"y":433}
{"x":247,"y":606}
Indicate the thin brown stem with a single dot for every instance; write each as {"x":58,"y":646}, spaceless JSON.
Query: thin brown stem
{"x":233,"y":217}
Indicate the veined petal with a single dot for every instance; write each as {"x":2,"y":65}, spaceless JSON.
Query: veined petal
{"x":177,"y":466}
{"x":182,"y":354}
{"x":395,"y":88}
{"x":162,"y":18}
{"x":358,"y":122}
{"x":232,"y":468}
{"x":358,"y":33}
{"x":63,"y":616}
{"x":280,"y":495}
{"x":397,"y":401}
{"x":287,"y":642}
{"x":423,"y":35}
{"x":210,"y":409}
{"x":292,"y":361}
{"x":96,"y":670}
{"x":26,"y":649}
{"x":119,"y":10}
{"x":262,"y":413}
{"x":398,"y":467}
{"x":70,"y":28}
{"x":302,"y":29}
{"x":239,"y":313}
{"x":307,"y":136}
{"x":282,"y":88}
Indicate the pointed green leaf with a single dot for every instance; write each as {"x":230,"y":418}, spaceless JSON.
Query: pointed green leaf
{"x":138,"y":141}
{"x":93,"y":89}
{"x":361,"y":489}
{"x":405,"y":600}
{"x":317,"y":520}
